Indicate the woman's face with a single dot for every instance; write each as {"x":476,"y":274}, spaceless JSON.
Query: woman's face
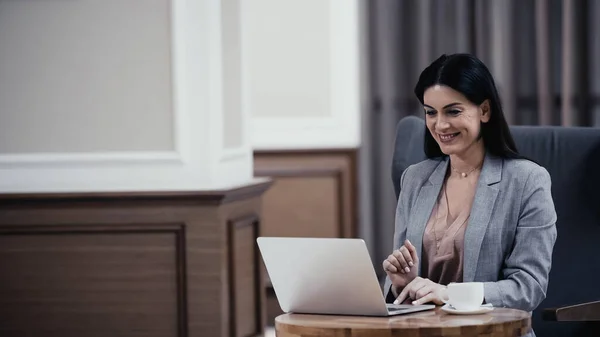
{"x":454,"y":121}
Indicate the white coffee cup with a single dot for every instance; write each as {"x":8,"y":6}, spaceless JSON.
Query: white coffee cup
{"x":465,"y":296}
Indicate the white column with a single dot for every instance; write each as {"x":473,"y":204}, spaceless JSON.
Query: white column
{"x":122,"y":95}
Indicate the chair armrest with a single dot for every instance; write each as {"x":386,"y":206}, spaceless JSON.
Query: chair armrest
{"x":589,"y":312}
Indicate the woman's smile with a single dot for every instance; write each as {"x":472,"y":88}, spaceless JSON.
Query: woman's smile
{"x":448,"y":137}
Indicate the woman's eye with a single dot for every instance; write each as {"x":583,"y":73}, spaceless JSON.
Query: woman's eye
{"x":430,"y":112}
{"x":453,"y":112}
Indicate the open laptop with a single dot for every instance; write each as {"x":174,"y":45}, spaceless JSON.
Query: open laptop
{"x":326,"y":276}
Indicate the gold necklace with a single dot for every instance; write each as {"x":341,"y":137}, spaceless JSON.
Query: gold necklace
{"x":464,"y":174}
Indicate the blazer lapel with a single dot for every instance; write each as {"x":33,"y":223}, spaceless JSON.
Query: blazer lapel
{"x":425,"y":201}
{"x":481,"y":213}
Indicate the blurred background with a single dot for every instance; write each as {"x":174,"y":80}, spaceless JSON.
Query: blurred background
{"x":226,"y":120}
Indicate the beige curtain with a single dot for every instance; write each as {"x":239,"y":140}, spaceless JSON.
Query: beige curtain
{"x":544,"y":55}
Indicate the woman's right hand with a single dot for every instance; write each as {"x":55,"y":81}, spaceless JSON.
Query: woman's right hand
{"x":401,"y":266}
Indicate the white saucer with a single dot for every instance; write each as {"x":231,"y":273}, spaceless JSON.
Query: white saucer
{"x":481,"y":310}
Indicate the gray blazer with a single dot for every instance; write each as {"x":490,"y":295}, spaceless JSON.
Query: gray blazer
{"x":511,"y":232}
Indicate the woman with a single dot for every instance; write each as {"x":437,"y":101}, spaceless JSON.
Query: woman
{"x":475,"y":210}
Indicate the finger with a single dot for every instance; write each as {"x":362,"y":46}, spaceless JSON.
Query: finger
{"x":394,"y":262}
{"x":387,"y":266}
{"x":413,"y":251}
{"x":422,"y":292}
{"x":406,"y":291}
{"x":425,"y":299}
{"x":406,"y":254}
{"x":400,"y":257}
{"x":403,"y":294}
{"x":419,"y":288}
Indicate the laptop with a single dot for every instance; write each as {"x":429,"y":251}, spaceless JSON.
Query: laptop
{"x":326,"y":276}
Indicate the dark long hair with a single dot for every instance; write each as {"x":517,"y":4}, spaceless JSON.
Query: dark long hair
{"x":468,"y":75}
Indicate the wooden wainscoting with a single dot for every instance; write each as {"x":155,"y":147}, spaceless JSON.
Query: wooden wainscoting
{"x":132,"y":264}
{"x":246,"y":291}
{"x":314,"y":194}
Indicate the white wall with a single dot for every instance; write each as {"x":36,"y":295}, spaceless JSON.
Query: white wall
{"x":301,"y":59}
{"x":107,"y":95}
{"x":68,"y":78}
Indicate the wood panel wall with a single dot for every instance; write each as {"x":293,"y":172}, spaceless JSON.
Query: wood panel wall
{"x":138,"y":264}
{"x":314,"y":194}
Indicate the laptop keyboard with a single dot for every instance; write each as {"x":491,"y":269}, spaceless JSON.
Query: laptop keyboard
{"x":398,"y":307}
{"x":391,"y":309}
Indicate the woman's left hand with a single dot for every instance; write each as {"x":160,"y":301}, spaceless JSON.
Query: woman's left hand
{"x":423,"y":290}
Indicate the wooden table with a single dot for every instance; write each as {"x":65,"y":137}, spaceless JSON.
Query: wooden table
{"x":499,"y":322}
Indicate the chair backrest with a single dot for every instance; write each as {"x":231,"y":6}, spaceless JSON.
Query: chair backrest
{"x":572,"y":157}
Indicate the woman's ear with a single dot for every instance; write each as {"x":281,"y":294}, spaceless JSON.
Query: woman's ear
{"x":485,"y":111}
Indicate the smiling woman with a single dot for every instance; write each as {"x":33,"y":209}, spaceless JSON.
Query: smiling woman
{"x":475,"y":210}
{"x":454,"y":122}
{"x":460,"y":85}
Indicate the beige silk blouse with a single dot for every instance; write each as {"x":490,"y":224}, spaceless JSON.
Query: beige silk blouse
{"x":443,"y":240}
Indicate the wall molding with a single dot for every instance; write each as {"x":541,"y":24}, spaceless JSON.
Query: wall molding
{"x":337,"y":173}
{"x":314,"y":163}
{"x":177,"y":229}
{"x":41,"y":160}
{"x":181,"y":137}
{"x":199,"y":159}
{"x":235,"y":153}
{"x":340,"y":128}
{"x":251,"y":220}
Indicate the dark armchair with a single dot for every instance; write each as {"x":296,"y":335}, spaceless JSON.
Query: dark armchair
{"x":572,"y":157}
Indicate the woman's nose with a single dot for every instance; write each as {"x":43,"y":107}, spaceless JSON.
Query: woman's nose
{"x":441,"y":124}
